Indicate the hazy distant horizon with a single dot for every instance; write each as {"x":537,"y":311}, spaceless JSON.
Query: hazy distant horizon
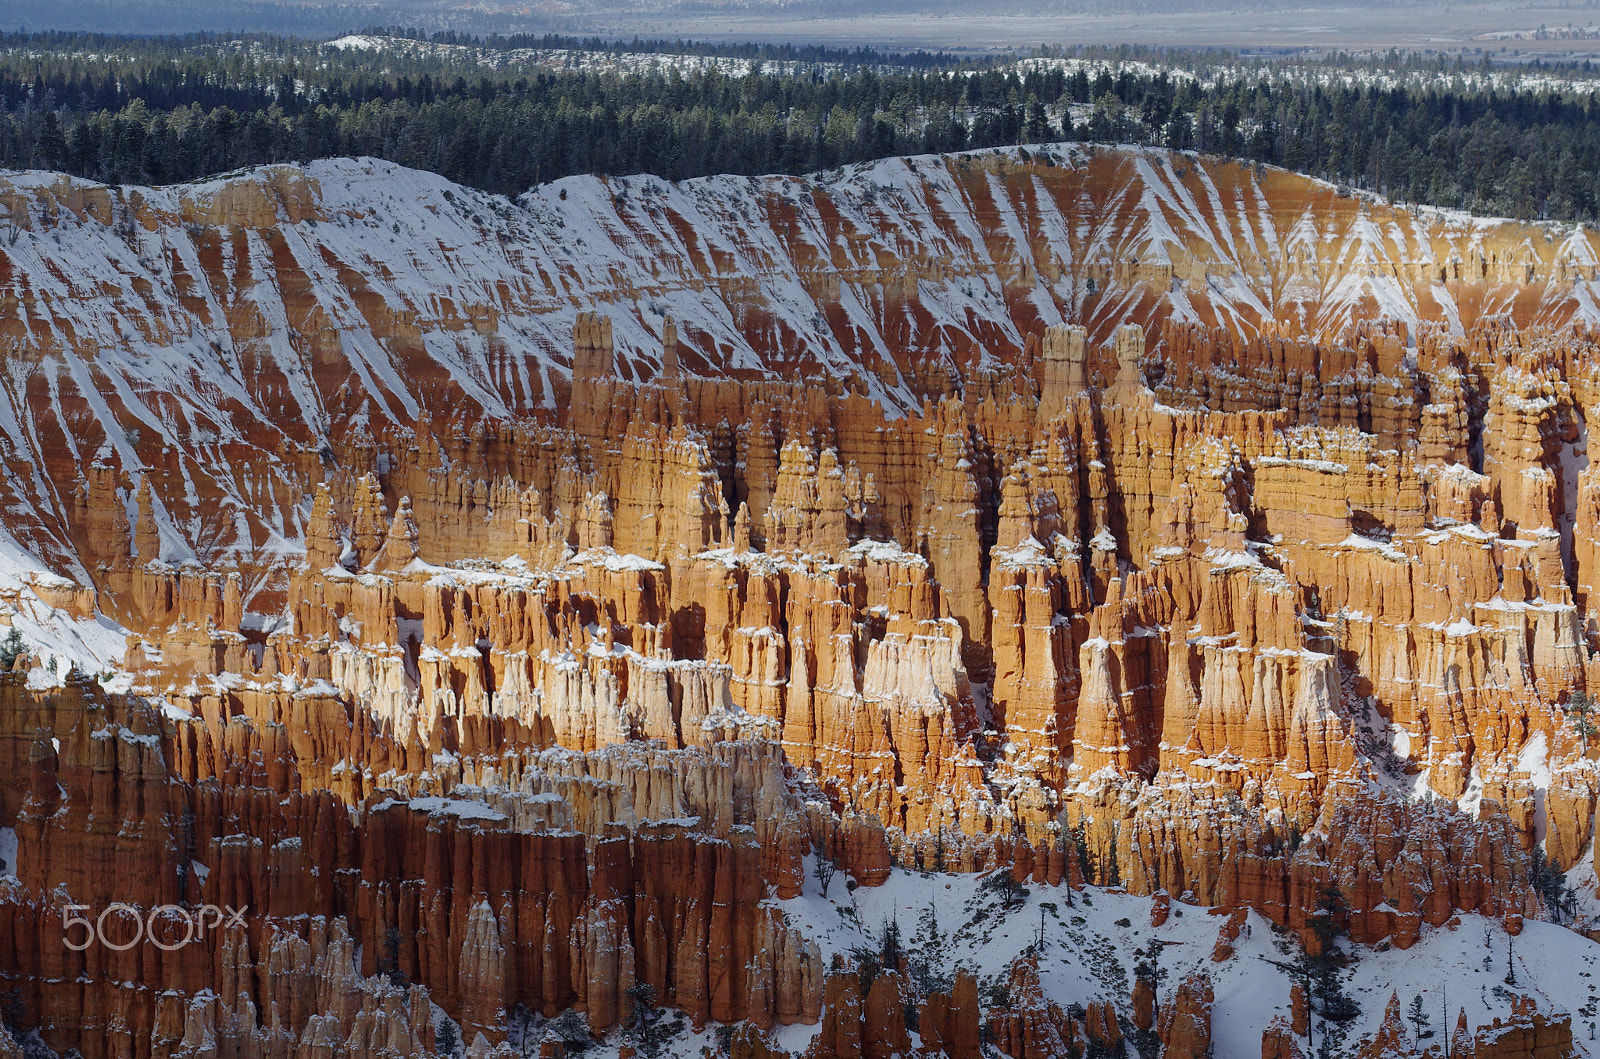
{"x":1512,"y":32}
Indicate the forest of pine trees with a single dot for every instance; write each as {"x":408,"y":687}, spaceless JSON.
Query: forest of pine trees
{"x":121,"y":110}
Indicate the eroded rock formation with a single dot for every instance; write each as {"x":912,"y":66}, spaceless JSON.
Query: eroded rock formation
{"x":578,"y":667}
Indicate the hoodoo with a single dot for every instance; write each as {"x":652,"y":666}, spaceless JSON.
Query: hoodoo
{"x":483,"y":641}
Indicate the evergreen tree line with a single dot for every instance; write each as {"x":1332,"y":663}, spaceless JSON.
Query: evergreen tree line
{"x":801,"y":53}
{"x":161,"y":117}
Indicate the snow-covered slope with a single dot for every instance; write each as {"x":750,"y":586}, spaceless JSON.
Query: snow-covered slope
{"x":216,"y":335}
{"x":1091,"y":947}
{"x":1090,"y":951}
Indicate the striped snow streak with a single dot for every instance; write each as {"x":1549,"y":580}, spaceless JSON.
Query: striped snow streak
{"x":208,"y":329}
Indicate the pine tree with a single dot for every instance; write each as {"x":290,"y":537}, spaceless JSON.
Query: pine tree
{"x":1579,"y":707}
{"x":1066,"y":852}
{"x":51,"y":149}
{"x":823,"y":869}
{"x":572,"y":1031}
{"x":1149,"y":968}
{"x":1080,"y":842}
{"x":11,"y":648}
{"x":643,"y":996}
{"x":650,"y":1038}
{"x":1444,"y":1019}
{"x":927,"y":963}
{"x":1551,"y":884}
{"x":445,"y":1039}
{"x":1035,"y":127}
{"x":885,"y":955}
{"x":1012,"y":894}
{"x":1419,"y":1018}
{"x":1321,"y":972}
{"x":889,"y":944}
{"x":390,"y":964}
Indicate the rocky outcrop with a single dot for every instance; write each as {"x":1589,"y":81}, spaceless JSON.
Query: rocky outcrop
{"x":1186,"y":1021}
{"x":1527,"y":1032}
{"x":1280,"y":1041}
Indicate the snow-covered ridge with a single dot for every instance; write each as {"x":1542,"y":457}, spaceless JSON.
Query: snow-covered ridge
{"x":241,"y":320}
{"x":1511,"y":78}
{"x":576,"y":60}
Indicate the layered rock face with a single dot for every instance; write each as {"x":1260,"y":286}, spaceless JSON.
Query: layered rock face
{"x":595,"y":640}
{"x":215,"y":340}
